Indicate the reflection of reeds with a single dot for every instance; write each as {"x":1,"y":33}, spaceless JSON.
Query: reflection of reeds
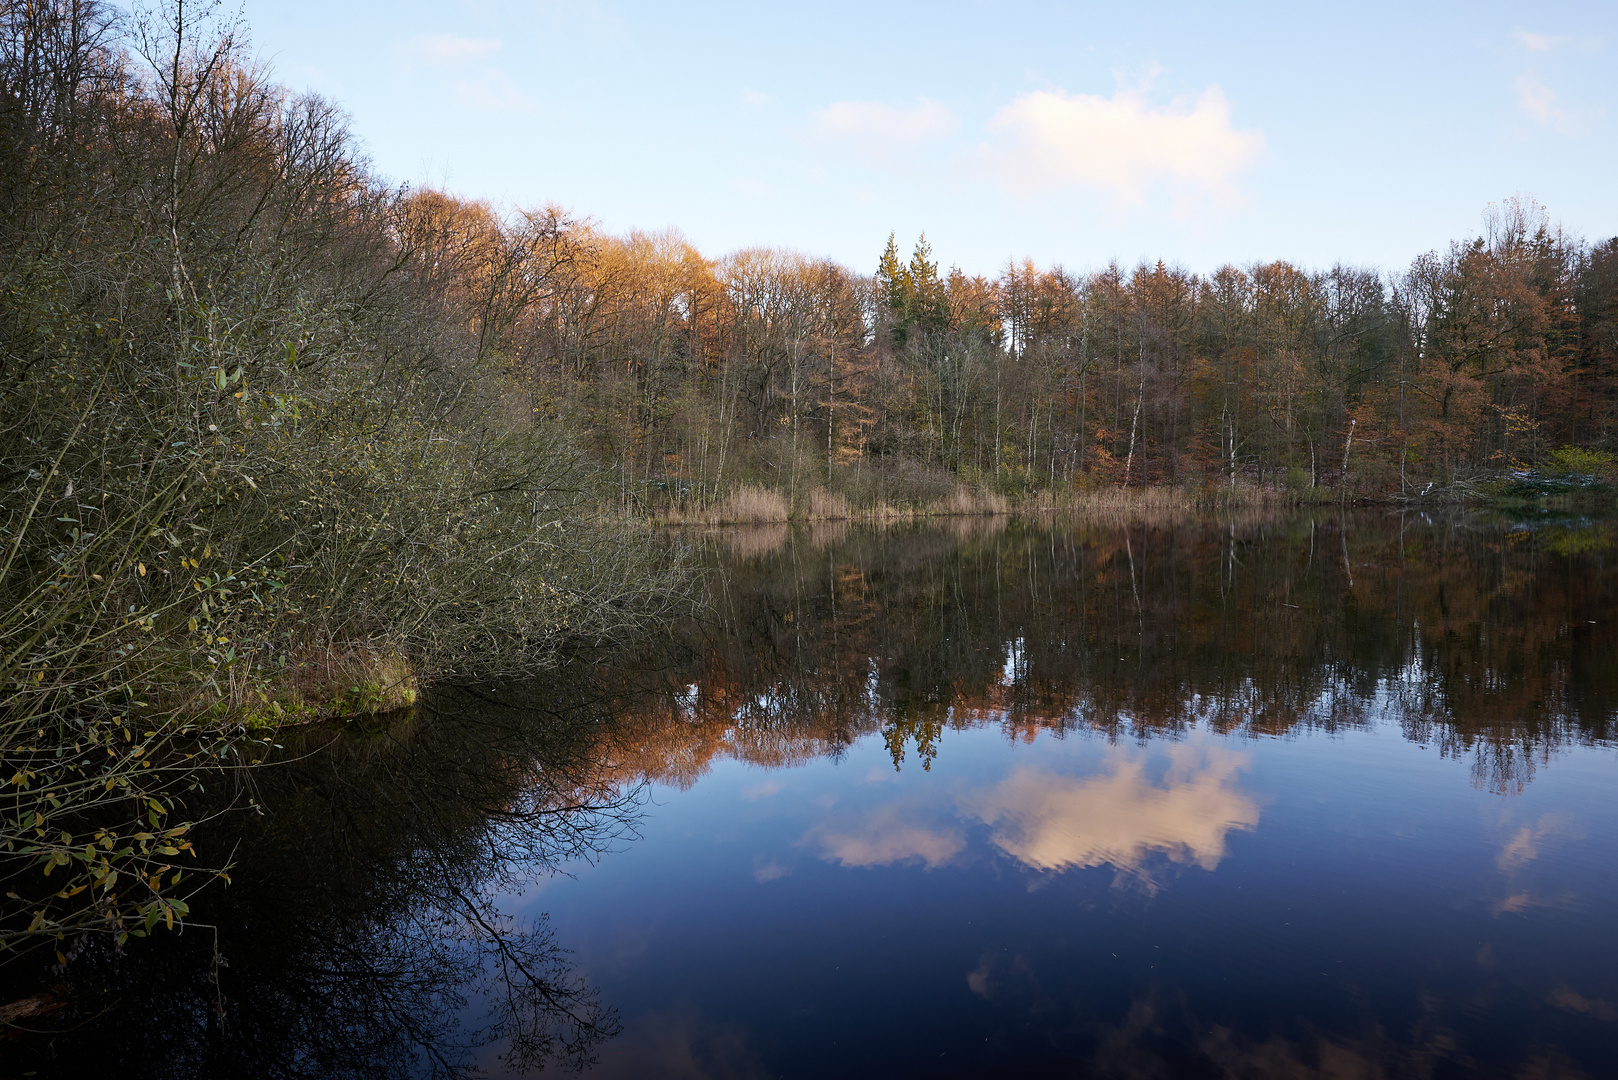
{"x":754,"y":541}
{"x":824,"y":534}
{"x":1156,"y":505}
{"x":979,"y":527}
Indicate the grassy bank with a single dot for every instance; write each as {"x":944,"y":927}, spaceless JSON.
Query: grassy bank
{"x":347,"y":684}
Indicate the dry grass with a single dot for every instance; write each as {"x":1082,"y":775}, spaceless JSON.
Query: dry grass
{"x":965,"y":502}
{"x":1154,"y":505}
{"x":753,"y":504}
{"x":356,"y":681}
{"x":887,"y":512}
{"x":826,"y":505}
{"x":747,"y":505}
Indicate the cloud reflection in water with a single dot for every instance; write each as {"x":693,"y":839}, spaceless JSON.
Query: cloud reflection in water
{"x":889,"y":835}
{"x":1053,"y":822}
{"x":1048,"y":821}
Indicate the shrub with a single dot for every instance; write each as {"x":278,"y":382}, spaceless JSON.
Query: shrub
{"x":1579,"y":461}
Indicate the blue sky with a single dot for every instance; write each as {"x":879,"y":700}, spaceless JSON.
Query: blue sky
{"x":1197,"y":133}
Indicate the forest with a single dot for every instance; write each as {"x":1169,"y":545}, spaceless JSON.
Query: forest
{"x":690,"y":374}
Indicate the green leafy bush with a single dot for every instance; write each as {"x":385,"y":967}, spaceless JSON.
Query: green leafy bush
{"x":1580,"y":461}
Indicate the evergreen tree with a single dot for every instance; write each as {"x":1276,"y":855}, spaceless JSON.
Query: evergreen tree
{"x":929,"y":302}
{"x":895,"y":287}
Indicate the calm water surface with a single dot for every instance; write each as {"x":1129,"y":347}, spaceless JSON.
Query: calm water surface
{"x":1312,"y":797}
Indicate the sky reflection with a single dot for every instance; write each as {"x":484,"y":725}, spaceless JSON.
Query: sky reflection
{"x":1046,"y":820}
{"x":1053,"y":822}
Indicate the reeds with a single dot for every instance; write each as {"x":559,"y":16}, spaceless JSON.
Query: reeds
{"x":964,"y":502}
{"x":1155,"y":505}
{"x":756,"y":504}
{"x":753,"y":504}
{"x":826,"y":505}
{"x":749,"y":504}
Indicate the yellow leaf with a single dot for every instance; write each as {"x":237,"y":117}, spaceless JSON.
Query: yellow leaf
{"x":141,"y":569}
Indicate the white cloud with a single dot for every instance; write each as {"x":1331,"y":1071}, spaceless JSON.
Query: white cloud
{"x":493,"y":92}
{"x":1540,"y":102}
{"x":448,"y":48}
{"x":756,"y":99}
{"x":1536,"y":42}
{"x":879,"y":131}
{"x":1122,"y":145}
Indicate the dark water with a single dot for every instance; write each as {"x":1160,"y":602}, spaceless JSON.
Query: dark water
{"x":1293,"y":798}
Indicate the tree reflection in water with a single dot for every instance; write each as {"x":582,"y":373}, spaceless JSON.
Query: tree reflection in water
{"x":1490,"y":641}
{"x":362,"y":933}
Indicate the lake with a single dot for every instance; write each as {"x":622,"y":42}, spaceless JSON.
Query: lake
{"x":1308,"y":796}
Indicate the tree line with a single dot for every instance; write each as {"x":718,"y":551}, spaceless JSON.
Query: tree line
{"x":687,"y":374}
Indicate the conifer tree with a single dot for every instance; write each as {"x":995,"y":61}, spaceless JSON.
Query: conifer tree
{"x":895,"y":288}
{"x":929,"y":302}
